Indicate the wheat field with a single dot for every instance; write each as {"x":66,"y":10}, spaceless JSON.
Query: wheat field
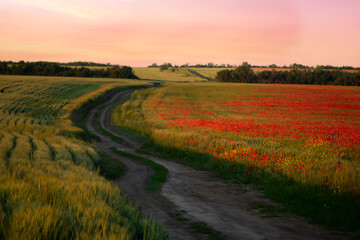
{"x":50,"y":187}
{"x":170,"y":75}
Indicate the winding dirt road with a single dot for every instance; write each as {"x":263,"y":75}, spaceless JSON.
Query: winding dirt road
{"x":194,"y":194}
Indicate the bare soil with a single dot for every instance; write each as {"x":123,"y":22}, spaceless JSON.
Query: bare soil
{"x":196,"y":195}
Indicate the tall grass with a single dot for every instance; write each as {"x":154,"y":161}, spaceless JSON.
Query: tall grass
{"x":50,"y":182}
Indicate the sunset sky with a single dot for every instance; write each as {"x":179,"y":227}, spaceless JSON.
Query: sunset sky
{"x":140,"y":32}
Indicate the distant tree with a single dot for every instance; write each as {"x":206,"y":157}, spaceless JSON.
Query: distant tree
{"x":4,"y":69}
{"x":298,"y":66}
{"x":210,"y":65}
{"x":153,"y":65}
{"x":246,"y":65}
{"x":127,"y":72}
{"x":246,"y":74}
{"x":272,"y":66}
{"x":224,"y":76}
{"x":164,"y":67}
{"x":122,"y":72}
{"x":186,"y":65}
{"x":86,"y":64}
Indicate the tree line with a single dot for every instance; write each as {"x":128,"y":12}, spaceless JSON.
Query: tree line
{"x":56,"y":69}
{"x":316,"y":76}
{"x":88,"y":64}
{"x":290,"y":66}
{"x":187,"y":65}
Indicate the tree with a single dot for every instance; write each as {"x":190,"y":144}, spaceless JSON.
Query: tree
{"x":246,"y":74}
{"x":164,"y":67}
{"x":210,"y":65}
{"x":224,"y":76}
{"x":272,"y":66}
{"x":153,"y":65}
{"x":4,"y":69}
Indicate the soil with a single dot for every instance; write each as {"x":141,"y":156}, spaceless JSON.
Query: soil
{"x":196,"y":195}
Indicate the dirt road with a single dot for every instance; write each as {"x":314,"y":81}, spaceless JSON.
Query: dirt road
{"x":194,"y":194}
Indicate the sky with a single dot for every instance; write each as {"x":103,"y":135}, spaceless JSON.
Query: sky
{"x":142,"y":32}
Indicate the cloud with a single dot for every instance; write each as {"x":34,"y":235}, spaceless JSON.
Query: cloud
{"x":78,"y":8}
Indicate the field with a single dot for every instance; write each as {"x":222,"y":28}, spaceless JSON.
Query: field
{"x":50,"y":183}
{"x":304,"y":137}
{"x":179,"y":75}
{"x":208,"y":72}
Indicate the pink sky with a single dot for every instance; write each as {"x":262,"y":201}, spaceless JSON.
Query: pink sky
{"x":140,"y":32}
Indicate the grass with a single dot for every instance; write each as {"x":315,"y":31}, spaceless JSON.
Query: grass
{"x":208,"y":72}
{"x":265,"y":210}
{"x":111,"y":168}
{"x":179,"y":75}
{"x":106,"y":133}
{"x":157,"y":179}
{"x":50,"y":178}
{"x":171,"y":122}
{"x":199,"y":227}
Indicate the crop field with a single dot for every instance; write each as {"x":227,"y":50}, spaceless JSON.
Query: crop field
{"x":308,"y":135}
{"x":50,"y":186}
{"x":208,"y":72}
{"x":179,"y":75}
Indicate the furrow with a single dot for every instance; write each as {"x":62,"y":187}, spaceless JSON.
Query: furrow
{"x":10,"y":151}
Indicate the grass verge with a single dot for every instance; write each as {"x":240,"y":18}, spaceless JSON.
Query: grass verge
{"x":106,"y":133}
{"x":110,"y":168}
{"x":199,"y":227}
{"x":157,"y":179}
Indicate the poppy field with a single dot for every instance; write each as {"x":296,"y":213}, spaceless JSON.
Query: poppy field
{"x":309,"y":135}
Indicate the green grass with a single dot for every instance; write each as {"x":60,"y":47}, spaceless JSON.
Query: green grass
{"x":204,"y":229}
{"x":81,"y":123}
{"x":265,"y":210}
{"x":199,"y":227}
{"x":103,"y":131}
{"x":157,"y":179}
{"x":110,"y":168}
{"x":106,"y":133}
